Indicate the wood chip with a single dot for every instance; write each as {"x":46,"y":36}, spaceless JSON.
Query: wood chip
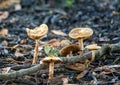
{"x":59,"y":32}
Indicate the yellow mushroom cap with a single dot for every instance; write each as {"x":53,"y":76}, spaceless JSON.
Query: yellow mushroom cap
{"x":69,"y":48}
{"x":78,"y":33}
{"x":93,"y":47}
{"x":37,"y":32}
{"x":52,"y":59}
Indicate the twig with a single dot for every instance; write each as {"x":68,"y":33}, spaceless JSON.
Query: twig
{"x":106,"y":67}
{"x":104,"y":50}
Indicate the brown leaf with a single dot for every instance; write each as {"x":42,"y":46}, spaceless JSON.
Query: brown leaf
{"x":23,"y":41}
{"x":5,"y":43}
{"x":4,"y":32}
{"x":54,"y":43}
{"x":64,"y":42}
{"x":3,"y":15}
{"x":82,"y":74}
{"x":104,"y":72}
{"x":76,"y":66}
{"x":6,"y":69}
{"x":59,"y":32}
{"x":12,"y":60}
{"x":23,"y":48}
{"x":18,"y":54}
{"x":116,"y":83}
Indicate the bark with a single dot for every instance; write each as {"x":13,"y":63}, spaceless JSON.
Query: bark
{"x":106,"y":49}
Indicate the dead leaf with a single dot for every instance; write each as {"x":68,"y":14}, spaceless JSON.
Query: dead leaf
{"x":9,"y":59}
{"x":115,"y":12}
{"x":3,"y":15}
{"x":82,"y":74}
{"x":18,"y":54}
{"x":103,"y":68}
{"x":76,"y":66}
{"x":12,"y":60}
{"x":22,"y":48}
{"x":17,"y":7}
{"x":65,"y":81}
{"x":6,"y":69}
{"x":64,"y":42}
{"x":4,"y":32}
{"x":59,"y":32}
{"x":104,"y":72}
{"x":54,"y":43}
{"x":23,"y":41}
{"x":7,"y":3}
{"x":5,"y":43}
{"x":116,"y":83}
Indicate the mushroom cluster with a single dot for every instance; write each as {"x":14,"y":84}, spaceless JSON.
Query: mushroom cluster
{"x":79,"y":34}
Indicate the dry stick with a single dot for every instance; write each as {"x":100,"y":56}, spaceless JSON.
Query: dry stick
{"x":104,"y":50}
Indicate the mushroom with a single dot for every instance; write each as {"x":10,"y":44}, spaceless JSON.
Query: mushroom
{"x":51,"y":60}
{"x":80,"y":34}
{"x":36,"y":34}
{"x":93,"y":47}
{"x":67,"y":50}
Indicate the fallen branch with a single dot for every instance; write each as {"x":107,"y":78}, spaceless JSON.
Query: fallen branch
{"x":104,"y":50}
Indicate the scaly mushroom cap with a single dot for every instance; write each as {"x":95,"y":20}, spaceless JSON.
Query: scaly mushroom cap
{"x":69,"y":48}
{"x":52,"y":59}
{"x":78,"y":33}
{"x":38,"y":32}
{"x":93,"y":47}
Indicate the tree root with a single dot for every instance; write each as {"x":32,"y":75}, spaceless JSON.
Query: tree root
{"x":106,"y":49}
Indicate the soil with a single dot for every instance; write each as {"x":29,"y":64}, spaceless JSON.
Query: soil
{"x":103,"y":16}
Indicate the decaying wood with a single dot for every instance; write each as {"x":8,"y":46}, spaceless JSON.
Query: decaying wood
{"x":106,"y":49}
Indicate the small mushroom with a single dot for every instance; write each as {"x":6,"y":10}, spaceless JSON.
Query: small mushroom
{"x":67,"y":50}
{"x":80,"y":34}
{"x":51,"y":60}
{"x":93,"y":47}
{"x":36,"y":34}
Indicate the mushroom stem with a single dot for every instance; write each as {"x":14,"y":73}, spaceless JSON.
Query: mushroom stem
{"x":51,"y":70}
{"x":93,"y":55}
{"x":36,"y":51}
{"x":68,"y":55}
{"x":81,"y":46}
